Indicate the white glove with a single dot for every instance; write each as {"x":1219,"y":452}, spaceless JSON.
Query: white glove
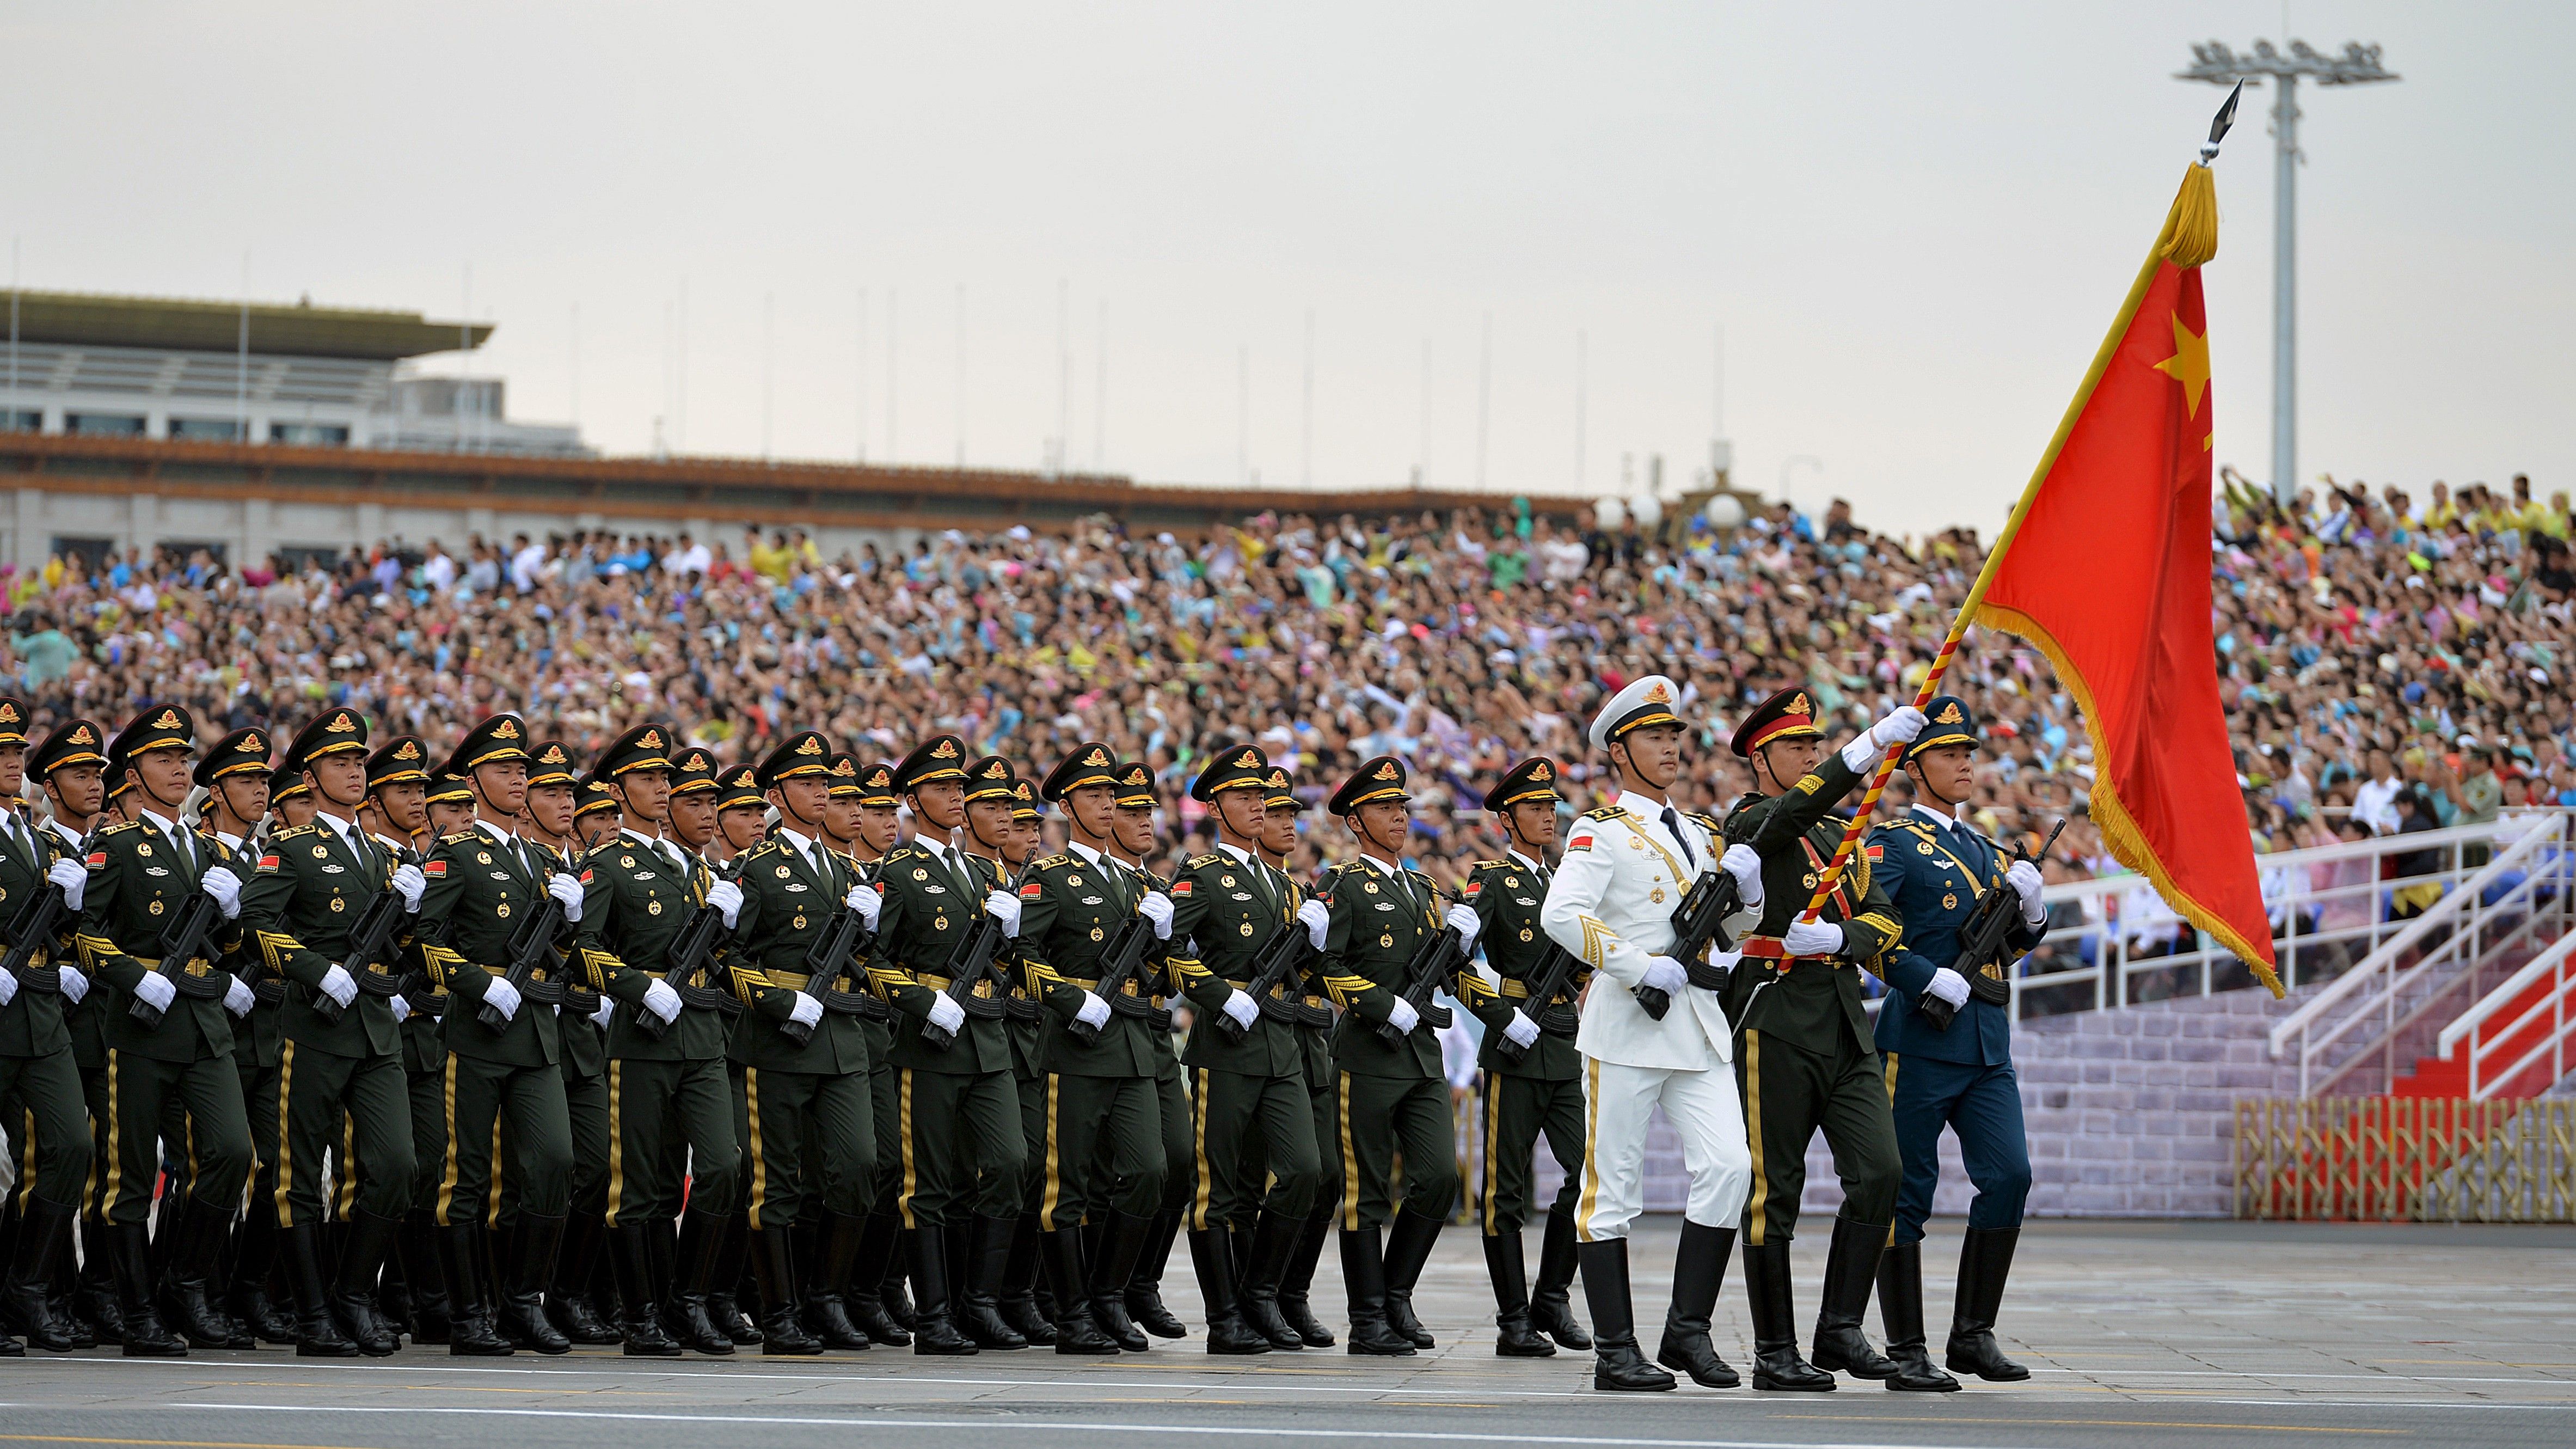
{"x":865,"y":900}
{"x":2025,"y":881}
{"x":75,"y":985}
{"x":1899,"y":728}
{"x":9,"y":987}
{"x":1094,"y":1012}
{"x":502,"y":996}
{"x":408,"y":880}
{"x":1318,"y":919}
{"x":337,"y":984}
{"x":1402,"y":1016}
{"x":945,"y":1014}
{"x":238,"y":998}
{"x":1665,"y":975}
{"x":1005,"y":908}
{"x":726,"y":897}
{"x":402,"y":1010}
{"x":1157,"y":908}
{"x":1745,"y":864}
{"x":1243,"y":1010}
{"x":566,"y":889}
{"x":73,"y":879}
{"x":1950,"y":986}
{"x":663,"y":1002}
{"x":1464,"y":920}
{"x":607,"y":1010}
{"x":225,"y":887}
{"x":1520,"y":1031}
{"x":156,"y":991}
{"x":1813,"y":938}
{"x":808,"y":1011}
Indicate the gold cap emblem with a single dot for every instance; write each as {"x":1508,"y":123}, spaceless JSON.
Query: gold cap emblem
{"x":1387,"y":771}
{"x":947,"y":750}
{"x":1799,"y":705}
{"x":1949,"y":714}
{"x":341,"y":724}
{"x":813,"y":745}
{"x":507,"y":729}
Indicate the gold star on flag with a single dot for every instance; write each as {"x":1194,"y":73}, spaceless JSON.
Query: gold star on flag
{"x":2190,"y":363}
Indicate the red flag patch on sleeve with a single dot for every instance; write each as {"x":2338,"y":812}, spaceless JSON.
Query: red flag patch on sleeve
{"x":1180,"y":887}
{"x":268,"y":862}
{"x":585,"y":876}
{"x":1032,"y":891}
{"x":1877,"y":851}
{"x":1474,"y":886}
{"x":434,"y":869}
{"x":1580,"y":842}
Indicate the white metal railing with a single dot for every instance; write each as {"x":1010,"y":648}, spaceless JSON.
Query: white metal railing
{"x":2112,"y":942}
{"x":2517,"y":901}
{"x":2553,"y":1013}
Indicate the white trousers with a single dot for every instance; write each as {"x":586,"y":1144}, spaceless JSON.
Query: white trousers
{"x":1704,"y":1110}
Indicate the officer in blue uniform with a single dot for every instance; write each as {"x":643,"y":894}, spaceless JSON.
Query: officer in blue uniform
{"x":1936,"y":868}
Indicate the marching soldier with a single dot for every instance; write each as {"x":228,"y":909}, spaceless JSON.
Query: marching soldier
{"x":342,"y":1055}
{"x":958,"y":1132}
{"x":290,"y":800}
{"x":1016,"y":848}
{"x":1627,"y":867}
{"x":1315,"y":1043}
{"x":1807,"y":1060}
{"x":1230,"y":906}
{"x":70,"y":764}
{"x":177,"y":1052}
{"x":600,"y":816}
{"x":875,"y":1295}
{"x":1957,"y":1072}
{"x":1101,"y":1150}
{"x":1542,"y":1091}
{"x":40,"y":1083}
{"x":1133,"y":841}
{"x":694,"y":825}
{"x":504,"y":1046}
{"x":742,"y":814}
{"x":1390,"y":1099}
{"x":398,"y":792}
{"x":828,"y":1241}
{"x":991,"y":830}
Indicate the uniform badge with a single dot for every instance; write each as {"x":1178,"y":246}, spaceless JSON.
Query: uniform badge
{"x":482,"y":857}
{"x":1924,"y":847}
{"x":155,"y":870}
{"x":1811,"y":880}
{"x":1658,"y":896}
{"x":626,"y":861}
{"x":1525,"y":933}
{"x":338,"y":904}
{"x":156,"y":908}
{"x":1370,"y":886}
{"x":1225,"y":880}
{"x":939,"y":923}
{"x":653,"y":908}
{"x":142,"y":849}
{"x":917,"y":873}
{"x":1512,"y":880}
{"x":320,"y":854}
{"x":1949,"y":903}
{"x":1386,"y":942}
{"x":798,"y":923}
{"x":1093,"y":901}
{"x":502,"y":910}
{"x":1636,"y":843}
{"x":1073,"y":880}
{"x":1097,"y":933}
{"x":1247,"y":928}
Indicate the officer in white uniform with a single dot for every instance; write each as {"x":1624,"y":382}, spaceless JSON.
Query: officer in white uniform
{"x":1627,"y":867}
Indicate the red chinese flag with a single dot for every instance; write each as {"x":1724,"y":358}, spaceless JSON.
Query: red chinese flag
{"x":2108,"y":573}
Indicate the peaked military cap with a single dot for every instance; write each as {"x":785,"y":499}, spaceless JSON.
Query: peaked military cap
{"x":403,"y":760}
{"x":1651,"y":700}
{"x":1091,"y":763}
{"x":286,"y":783}
{"x":595,"y":796}
{"x":332,"y":732}
{"x":550,"y":763}
{"x":803,"y":753}
{"x":1789,"y":714}
{"x":740,"y":787}
{"x":1279,"y":788}
{"x":243,"y":750}
{"x":845,"y":776}
{"x":1236,"y":767}
{"x":162,"y":727}
{"x":990,"y":778}
{"x":448,"y":788}
{"x":496,"y":741}
{"x":1531,"y":779}
{"x":693,"y":771}
{"x":13,"y":721}
{"x":73,"y":742}
{"x":876,"y":785}
{"x":1946,"y":722}
{"x":940,"y":757}
{"x":1025,"y":804}
{"x":1380,"y":779}
{"x":1135,"y":785}
{"x":645,"y":747}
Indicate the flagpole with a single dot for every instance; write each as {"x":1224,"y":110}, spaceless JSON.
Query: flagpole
{"x":2188,"y":238}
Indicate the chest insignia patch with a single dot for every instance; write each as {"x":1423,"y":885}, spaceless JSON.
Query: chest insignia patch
{"x":1225,"y":880}
{"x":1093,"y":901}
{"x":1386,"y":905}
{"x":321,"y":854}
{"x":1386,"y":942}
{"x":917,"y":873}
{"x":1523,"y":901}
{"x":1246,"y":928}
{"x":155,"y":870}
{"x":1925,"y":847}
{"x":1658,"y":896}
{"x":1098,"y":934}
{"x":156,"y":907}
{"x":329,"y":869}
{"x":653,"y":907}
{"x":500,"y":875}
{"x":338,"y":904}
{"x":797,"y":886}
{"x":1525,"y":933}
{"x":1370,"y":886}
{"x":1073,"y":881}
{"x":1950,"y":903}
{"x":143,"y":850}
{"x":936,"y":890}
{"x":1243,"y":895}
{"x":503,"y":910}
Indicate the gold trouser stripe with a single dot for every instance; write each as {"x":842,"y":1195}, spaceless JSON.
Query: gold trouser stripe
{"x":1051,"y":1196}
{"x":347,"y":1167}
{"x":912,"y":1168}
{"x":1591,"y":1195}
{"x":107,"y":1197}
{"x":455,"y":1160}
{"x":1201,"y":1191}
{"x":189,"y":1126}
{"x":492,"y":1170}
{"x":1753,"y":1136}
{"x":1350,"y":1164}
{"x":1891,"y":1098}
{"x":285,"y":1158}
{"x":1493,"y":1136}
{"x":26,"y":1160}
{"x":759,"y":1159}
{"x":616,"y":1142}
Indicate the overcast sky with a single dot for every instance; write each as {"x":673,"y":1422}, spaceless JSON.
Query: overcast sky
{"x":1912,"y":223}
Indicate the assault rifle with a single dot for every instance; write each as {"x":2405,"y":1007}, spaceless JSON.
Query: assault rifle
{"x":1981,"y":943}
{"x":845,"y":938}
{"x":1434,"y":963}
{"x":371,"y":941}
{"x":1284,"y":958}
{"x":1699,"y":923}
{"x":183,"y":941}
{"x":531,"y":950}
{"x":30,"y":932}
{"x":1130,"y":954}
{"x":970,"y":963}
{"x":1554,"y":978}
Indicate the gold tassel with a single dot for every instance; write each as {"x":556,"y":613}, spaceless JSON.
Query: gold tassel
{"x":2191,"y":228}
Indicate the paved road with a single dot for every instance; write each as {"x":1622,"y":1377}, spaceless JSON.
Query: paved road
{"x":2140,"y":1334}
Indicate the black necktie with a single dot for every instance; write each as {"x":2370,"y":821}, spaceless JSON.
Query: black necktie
{"x":1673,"y":823}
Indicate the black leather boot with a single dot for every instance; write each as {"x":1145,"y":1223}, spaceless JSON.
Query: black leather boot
{"x":317,"y":1329}
{"x":254,"y":1254}
{"x":1851,"y":1271}
{"x":1145,"y":1291}
{"x":1296,"y":1289}
{"x":773,"y":1263}
{"x":1776,"y":1364}
{"x":697,"y":1272}
{"x":1985,"y":1261}
{"x":470,"y":1333}
{"x":867,"y":1281}
{"x":140,"y":1327}
{"x":925,"y":1251}
{"x":1256,"y":1297}
{"x":1227,"y":1333}
{"x":353,"y":1289}
{"x":532,"y":1268}
{"x":827,"y":1308}
{"x":1364,"y":1274}
{"x":418,"y":1245}
{"x":1060,"y":1255}
{"x":724,"y":1306}
{"x":1123,"y":1240}
{"x":1618,"y":1366}
{"x":568,"y":1304}
{"x":893,"y":1293}
{"x":1699,"y":1266}
{"x":630,"y":1257}
{"x":1551,"y":1302}
{"x":1408,"y":1246}
{"x":979,"y":1307}
{"x":1514,"y":1337}
{"x":96,"y":1301}
{"x":195,"y":1268}
{"x":44,"y":1236}
{"x":1019,"y":1304}
{"x":1900,"y":1308}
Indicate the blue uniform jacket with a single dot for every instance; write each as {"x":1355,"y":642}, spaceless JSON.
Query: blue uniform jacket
{"x":1933,"y":878}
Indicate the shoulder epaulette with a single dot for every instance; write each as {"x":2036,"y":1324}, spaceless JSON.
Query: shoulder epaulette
{"x":1050,"y":862}
{"x":905,"y":851}
{"x":1705,"y":819}
{"x":1606,"y":812}
{"x":461,"y":835}
{"x":118,"y":829}
{"x":1211,"y":858}
{"x":1486,"y":865}
{"x":292,"y":831}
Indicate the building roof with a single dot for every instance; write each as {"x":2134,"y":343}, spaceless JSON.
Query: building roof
{"x":83,"y":319}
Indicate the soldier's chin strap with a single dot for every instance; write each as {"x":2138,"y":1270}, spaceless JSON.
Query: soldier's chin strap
{"x":1923,"y":783}
{"x":1369,"y":837}
{"x":168,"y":807}
{"x":1631,"y":769}
{"x":994,"y":846}
{"x":314,"y":782}
{"x":1243,"y":838}
{"x":810,"y":829}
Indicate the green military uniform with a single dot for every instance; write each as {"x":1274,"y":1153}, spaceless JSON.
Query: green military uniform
{"x":1314,"y":1038}
{"x":1804,"y":1055}
{"x":72,"y":743}
{"x":40,"y":1084}
{"x":1248,"y":1083}
{"x":1171,"y":1094}
{"x":485,"y":885}
{"x":141,"y":877}
{"x":586,"y":1101}
{"x":342,"y":1052}
{"x":877,"y":1273}
{"x":422,"y":1010}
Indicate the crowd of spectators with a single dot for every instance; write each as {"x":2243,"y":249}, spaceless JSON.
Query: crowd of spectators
{"x":2387,"y":664}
